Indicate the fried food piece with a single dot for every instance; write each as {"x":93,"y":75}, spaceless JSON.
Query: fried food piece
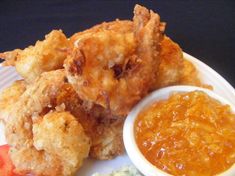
{"x":60,"y":147}
{"x":105,"y":134}
{"x":171,"y":56}
{"x":189,"y":74}
{"x":51,"y":91}
{"x":68,"y":100}
{"x":45,"y":55}
{"x":113,"y":69}
{"x":171,"y":66}
{"x":174,"y":69}
{"x":29,"y":160}
{"x":98,"y":77}
{"x":107,"y":141}
{"x":119,"y":26}
{"x":10,"y":95}
{"x":37,"y":97}
{"x":59,"y":133}
{"x":56,"y":139}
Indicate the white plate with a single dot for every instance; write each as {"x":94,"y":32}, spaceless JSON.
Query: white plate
{"x":206,"y":74}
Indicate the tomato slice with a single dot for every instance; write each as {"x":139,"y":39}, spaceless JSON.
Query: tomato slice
{"x":6,"y":165}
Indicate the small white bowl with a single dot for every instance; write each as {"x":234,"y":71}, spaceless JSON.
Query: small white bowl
{"x":132,"y":149}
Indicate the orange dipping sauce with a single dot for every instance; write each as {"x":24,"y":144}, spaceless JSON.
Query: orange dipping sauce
{"x":189,"y":134}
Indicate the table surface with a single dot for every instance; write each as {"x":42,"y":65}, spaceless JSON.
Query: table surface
{"x":204,"y":29}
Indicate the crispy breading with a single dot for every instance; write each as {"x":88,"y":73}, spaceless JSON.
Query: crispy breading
{"x":59,"y":147}
{"x":171,"y":64}
{"x":107,"y":141}
{"x":41,"y":94}
{"x":45,"y":55}
{"x":60,"y":134}
{"x":55,"y":136}
{"x":189,"y":74}
{"x":10,"y":95}
{"x":105,"y":134}
{"x":115,"y":69}
{"x":29,"y":160}
{"x":119,"y":26}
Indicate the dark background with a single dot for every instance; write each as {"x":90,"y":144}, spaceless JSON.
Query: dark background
{"x":204,"y":29}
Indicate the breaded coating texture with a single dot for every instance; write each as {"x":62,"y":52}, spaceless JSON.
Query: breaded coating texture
{"x":115,"y":69}
{"x":105,"y":134}
{"x":44,"y":142}
{"x":59,"y":133}
{"x":11,"y":95}
{"x":59,"y":147}
{"x":45,"y":55}
{"x":33,"y":101}
{"x":28,"y":160}
{"x":171,"y":64}
{"x":189,"y":74}
{"x":119,"y":26}
{"x":107,"y":141}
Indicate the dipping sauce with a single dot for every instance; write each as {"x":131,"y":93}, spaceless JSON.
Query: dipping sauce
{"x":188,"y":134}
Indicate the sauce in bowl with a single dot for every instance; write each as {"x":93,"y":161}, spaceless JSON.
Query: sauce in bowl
{"x":187,"y":134}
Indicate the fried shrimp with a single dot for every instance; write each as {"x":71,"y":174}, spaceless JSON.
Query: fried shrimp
{"x":26,"y":126}
{"x":113,"y":69}
{"x":59,"y":147}
{"x":32,"y":102}
{"x":70,"y":143}
{"x":171,"y":64}
{"x":44,"y":56}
